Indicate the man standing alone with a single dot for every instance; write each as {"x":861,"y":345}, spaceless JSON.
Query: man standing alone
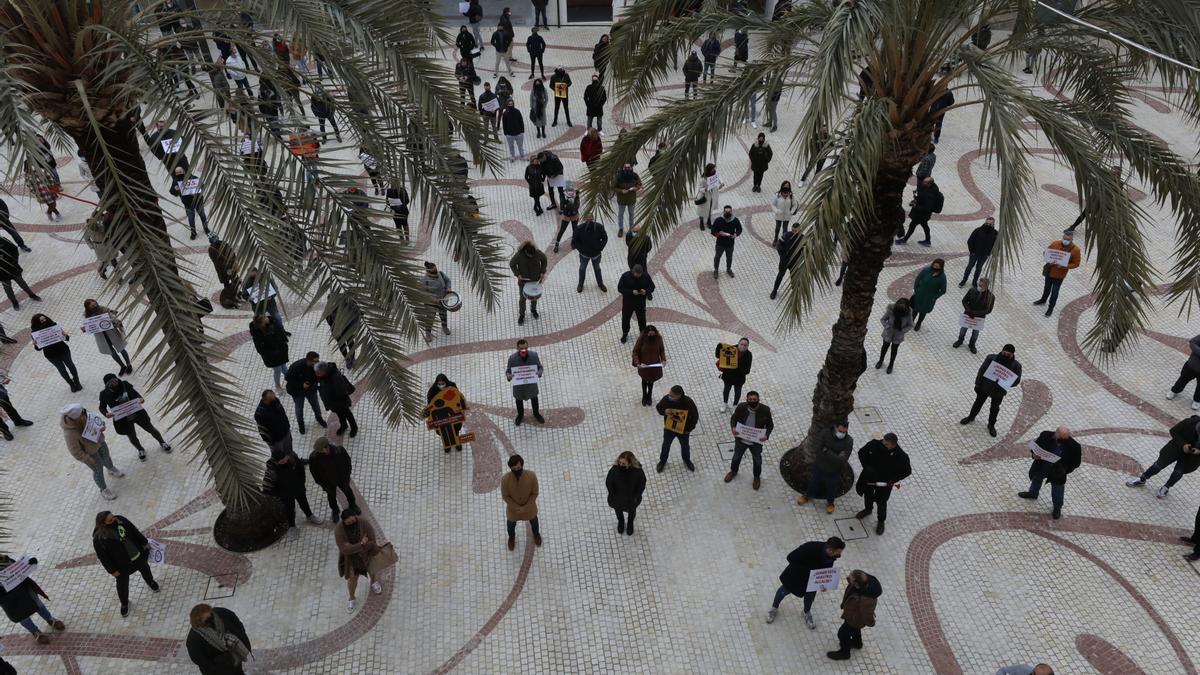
{"x":1055,"y":273}
{"x":519,"y":489}
{"x":986,"y":387}
{"x":526,"y":367}
{"x":680,"y":417}
{"x":884,"y":465}
{"x":1067,"y":457}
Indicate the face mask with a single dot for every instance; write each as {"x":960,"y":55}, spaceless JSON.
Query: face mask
{"x":1066,"y":242}
{"x":728,"y":216}
{"x":753,"y":405}
{"x":441,"y":385}
{"x":517,"y":472}
{"x":839,"y":434}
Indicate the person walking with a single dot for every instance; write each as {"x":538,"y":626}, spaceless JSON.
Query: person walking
{"x":590,"y":147}
{"x":1182,"y":450}
{"x":884,"y":465}
{"x":283,"y":479}
{"x":626,"y":481}
{"x":711,"y":49}
{"x":122,"y":550}
{"x":692,"y":67}
{"x":589,"y":240}
{"x":784,"y":205}
{"x":398,"y":201}
{"x":1189,"y":372}
{"x":118,"y":392}
{"x":635,"y":287}
{"x":301,"y":385}
{"x":449,"y":433}
{"x":750,"y":415}
{"x":527,"y":391}
{"x":187,"y":187}
{"x":217,"y":642}
{"x":10,"y":271}
{"x":858,"y":612}
{"x":536,"y":46}
{"x":330,"y":467}
{"x":58,"y":353}
{"x":538,"y":99}
{"x":986,"y":388}
{"x":502,"y":41}
{"x":977,"y":304}
{"x":92,"y":452}
{"x":707,"y":195}
{"x":111,"y":341}
{"x":560,"y":84}
{"x":519,"y":490}
{"x":25,"y":600}
{"x":357,"y":544}
{"x":1054,"y":273}
{"x":803,"y":560}
{"x":726,"y":230}
{"x":927,"y":201}
{"x":594,"y":98}
{"x":790,"y":247}
{"x":979,"y":248}
{"x":760,"y":160}
{"x":474,"y":16}
{"x":271,"y":343}
{"x":833,"y":447}
{"x":929,"y":285}
{"x":638,"y":248}
{"x":528,"y":264}
{"x":734,"y":378}
{"x":897,"y":321}
{"x":649,"y":357}
{"x":925,"y":167}
{"x":7,"y":226}
{"x":335,"y":391}
{"x":678,"y":410}
{"x":1061,"y":445}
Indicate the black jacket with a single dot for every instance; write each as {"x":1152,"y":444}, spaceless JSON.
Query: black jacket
{"x":600,"y":55}
{"x":10,"y":257}
{"x":335,"y":389}
{"x":589,"y":238}
{"x":271,"y":343}
{"x":741,"y":46}
{"x":512,"y":122}
{"x":639,"y":251}
{"x":188,"y":201}
{"x":790,"y":245}
{"x":629,"y":283}
{"x":209,"y":659}
{"x":736,"y":375}
{"x":692,"y":68}
{"x":1187,"y":432}
{"x":625,"y":487}
{"x":731,"y":226}
{"x":880,"y":465}
{"x":926,"y":202}
{"x":760,"y":156}
{"x":536,"y":45}
{"x":981,"y":241}
{"x":474,"y":13}
{"x":684,"y":403}
{"x":711,"y":49}
{"x":111,"y":552}
{"x":807,"y":557}
{"x":330,"y":470}
{"x":535,"y":180}
{"x":594,"y":98}
{"x":19,"y":603}
{"x":551,"y":165}
{"x":284,"y":479}
{"x":501,"y":40}
{"x":466,"y":45}
{"x":272,"y":421}
{"x":762,"y":417}
{"x":555,"y":79}
{"x":123,"y":394}
{"x":990,"y":387}
{"x":297,"y":375}
{"x":1056,"y":472}
{"x":978,"y":303}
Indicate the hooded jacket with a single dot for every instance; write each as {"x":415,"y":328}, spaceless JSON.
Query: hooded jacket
{"x":625,"y":487}
{"x":692,"y":68}
{"x":114,"y":397}
{"x":982,"y":240}
{"x":880,"y":465}
{"x":80,"y":448}
{"x":528,"y":266}
{"x":858,"y":603}
{"x":335,"y":389}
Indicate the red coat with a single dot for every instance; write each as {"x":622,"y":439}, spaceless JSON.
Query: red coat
{"x":590,"y":149}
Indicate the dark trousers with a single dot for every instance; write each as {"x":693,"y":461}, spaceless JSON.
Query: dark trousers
{"x":739,"y":450}
{"x":12,"y":413}
{"x":1050,"y":292}
{"x":980,"y":397}
{"x":66,"y":368}
{"x":621,"y":516}
{"x":918,"y":319}
{"x":331,"y":496}
{"x":783,"y":593}
{"x":819,"y":165}
{"x":289,"y":507}
{"x":537,"y":60}
{"x":783,"y":270}
{"x":522,"y":300}
{"x":877,"y":496}
{"x":977,"y":262}
{"x":758,"y":177}
{"x":512,"y":527}
{"x":820,"y":480}
{"x":1196,"y":534}
{"x":599,"y":122}
{"x":298,"y":401}
{"x":1056,"y":490}
{"x":689,"y":89}
{"x":1154,"y":468}
{"x":8,"y":290}
{"x":923,"y":222}
{"x":540,"y":12}
{"x":780,"y":228}
{"x":332,"y":123}
{"x":191,"y":217}
{"x":1186,"y":375}
{"x":962,"y":333}
{"x":7,"y":226}
{"x":685,"y":446}
{"x":244,"y":85}
{"x":143,"y":566}
{"x":583,"y":263}
{"x":737,"y":392}
{"x":725,"y":250}
{"x":346,"y":417}
{"x":144,"y":422}
{"x":629,"y":309}
{"x":883,"y":352}
{"x":647,"y":390}
{"x":566,"y":108}
{"x":533,"y":403}
{"x":849,"y":636}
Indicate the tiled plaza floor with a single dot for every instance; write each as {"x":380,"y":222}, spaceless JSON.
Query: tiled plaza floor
{"x":973,"y":577}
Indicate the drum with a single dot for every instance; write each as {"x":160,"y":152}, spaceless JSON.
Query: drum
{"x":451,"y":301}
{"x":532,"y":290}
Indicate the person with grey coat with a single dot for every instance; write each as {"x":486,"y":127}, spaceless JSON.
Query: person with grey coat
{"x":897,"y":320}
{"x":528,"y":391}
{"x":1189,"y":372}
{"x":832,"y":458}
{"x":437,"y":284}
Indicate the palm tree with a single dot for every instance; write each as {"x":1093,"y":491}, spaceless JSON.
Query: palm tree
{"x":90,"y":71}
{"x":912,"y":52}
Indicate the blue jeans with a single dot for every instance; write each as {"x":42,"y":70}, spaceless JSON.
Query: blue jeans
{"x":1050,"y":291}
{"x":784,"y":592}
{"x":512,"y":527}
{"x":752,"y":107}
{"x":583,"y":263}
{"x":191,"y":217}
{"x":977,"y":262}
{"x":298,"y":400}
{"x":622,"y":209}
{"x":103,"y":461}
{"x":27,"y":622}
{"x":1056,"y":491}
{"x":685,"y":446}
{"x":278,"y":372}
{"x":709,"y":69}
{"x":820,"y":479}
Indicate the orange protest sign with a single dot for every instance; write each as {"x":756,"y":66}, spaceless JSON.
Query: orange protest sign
{"x":445,"y":416}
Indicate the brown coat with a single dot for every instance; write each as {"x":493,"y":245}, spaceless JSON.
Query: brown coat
{"x":520,"y":495}
{"x":347,"y":550}
{"x":858,"y":603}
{"x":80,"y":448}
{"x":645,"y":351}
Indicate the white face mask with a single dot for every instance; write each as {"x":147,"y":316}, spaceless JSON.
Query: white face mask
{"x":1066,"y":242}
{"x":839,"y":434}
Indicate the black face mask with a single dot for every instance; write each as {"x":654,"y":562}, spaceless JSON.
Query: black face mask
{"x":518,"y":472}
{"x":753,"y":406}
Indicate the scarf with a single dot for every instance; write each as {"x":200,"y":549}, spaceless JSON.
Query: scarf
{"x":221,"y":641}
{"x":117,"y":532}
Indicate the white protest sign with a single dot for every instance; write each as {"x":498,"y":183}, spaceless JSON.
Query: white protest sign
{"x":464,"y":7}
{"x":190,"y":187}
{"x":255,"y":293}
{"x":120,"y":412}
{"x":1000,"y":375}
{"x":750,"y":434}
{"x":491,"y":106}
{"x":972,"y":322}
{"x":1054,"y":256}
{"x":97,"y":324}
{"x":559,"y":181}
{"x":825,"y":579}
{"x":713,"y":182}
{"x":15,"y":573}
{"x":171,"y":145}
{"x":158,"y":551}
{"x":651,"y":365}
{"x":395,"y":203}
{"x":249,"y":147}
{"x":1043,"y":454}
{"x":524,"y":375}
{"x":94,"y":427}
{"x":47,"y":336}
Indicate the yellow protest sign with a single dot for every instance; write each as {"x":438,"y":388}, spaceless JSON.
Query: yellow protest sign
{"x":675,"y":420}
{"x":727,"y":356}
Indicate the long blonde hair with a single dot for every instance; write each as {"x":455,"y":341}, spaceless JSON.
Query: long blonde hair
{"x":628,"y":456}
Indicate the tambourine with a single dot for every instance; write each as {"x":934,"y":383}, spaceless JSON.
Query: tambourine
{"x":532,"y":290}
{"x":451,"y":301}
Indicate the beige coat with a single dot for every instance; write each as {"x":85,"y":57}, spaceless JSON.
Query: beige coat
{"x":347,"y":551}
{"x":520,"y":495}
{"x":79,"y":447}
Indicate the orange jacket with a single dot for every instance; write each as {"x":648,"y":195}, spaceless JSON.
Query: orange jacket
{"x":303,"y":144}
{"x":1057,"y":271}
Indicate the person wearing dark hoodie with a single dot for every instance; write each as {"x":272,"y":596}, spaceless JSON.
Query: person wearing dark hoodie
{"x":58,"y":353}
{"x":858,"y":612}
{"x":594,"y":98}
{"x":11,"y":270}
{"x":760,"y":161}
{"x":272,"y":421}
{"x":301,"y":379}
{"x":979,"y":246}
{"x":560,"y":87}
{"x":330,"y":467}
{"x":117,"y":392}
{"x":283,"y":478}
{"x":626,"y":481}
{"x":335,"y":392}
{"x":439,"y":383}
{"x":884,"y":465}
{"x":536,"y":46}
{"x":1069,"y":453}
{"x":122,"y":550}
{"x":217,"y":642}
{"x":635,"y":287}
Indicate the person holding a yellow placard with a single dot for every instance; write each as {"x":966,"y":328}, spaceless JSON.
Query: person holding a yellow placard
{"x":560,"y":85}
{"x":734,"y":367}
{"x":680,"y":417}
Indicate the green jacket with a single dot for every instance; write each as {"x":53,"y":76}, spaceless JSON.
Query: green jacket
{"x":927,"y":289}
{"x":528,"y":266}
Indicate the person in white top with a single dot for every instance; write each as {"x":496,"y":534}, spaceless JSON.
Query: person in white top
{"x":236,"y":67}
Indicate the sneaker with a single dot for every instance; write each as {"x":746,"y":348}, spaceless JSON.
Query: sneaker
{"x":376,"y":587}
{"x":621,"y":527}
{"x":771,"y":614}
{"x":925,"y":242}
{"x":1192,"y":557}
{"x":116,"y":473}
{"x":754,"y":125}
{"x":972,"y":348}
{"x":517,"y":420}
{"x":730,"y":273}
{"x":108,"y":494}
{"x":533,"y":311}
{"x":350,"y":604}
{"x":1135,"y":482}
{"x":1057,"y":513}
{"x":1195,"y":405}
{"x":1162,"y":492}
{"x":165,"y":447}
{"x":992,"y":431}
{"x":901,"y":241}
{"x":773,"y":295}
{"x":1170,"y":395}
{"x":725,"y":407}
{"x":808,"y":621}
{"x":315,"y":520}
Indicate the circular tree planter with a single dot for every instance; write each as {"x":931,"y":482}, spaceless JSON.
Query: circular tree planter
{"x":794,"y":469}
{"x":259,"y":525}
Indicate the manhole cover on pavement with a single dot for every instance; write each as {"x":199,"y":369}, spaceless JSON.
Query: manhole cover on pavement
{"x":725,"y":449}
{"x":850,"y":529}
{"x":868,"y":415}
{"x":221,"y":586}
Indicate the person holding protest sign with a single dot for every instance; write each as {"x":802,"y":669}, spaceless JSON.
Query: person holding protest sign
{"x":122,"y":550}
{"x":997,"y":374}
{"x":524,"y":370}
{"x":263,"y":300}
{"x":680,"y":417}
{"x":111,"y":340}
{"x":794,"y":580}
{"x":858,"y":612}
{"x":751,"y":424}
{"x":186,"y":186}
{"x":122,"y":403}
{"x":1061,"y":256}
{"x":977,"y":304}
{"x":1055,"y":454}
{"x":23,"y":601}
{"x":625,"y":482}
{"x":51,"y":341}
{"x":649,"y":356}
{"x":734,"y":369}
{"x":84,"y":435}
{"x":884,"y":465}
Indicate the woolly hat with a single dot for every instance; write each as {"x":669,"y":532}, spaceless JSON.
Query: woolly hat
{"x":72,"y":411}
{"x":1009,"y":348}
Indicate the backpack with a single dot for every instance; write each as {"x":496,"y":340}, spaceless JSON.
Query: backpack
{"x":939,"y":201}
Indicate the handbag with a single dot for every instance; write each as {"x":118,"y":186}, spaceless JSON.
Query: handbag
{"x":385,"y":558}
{"x":702,"y":198}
